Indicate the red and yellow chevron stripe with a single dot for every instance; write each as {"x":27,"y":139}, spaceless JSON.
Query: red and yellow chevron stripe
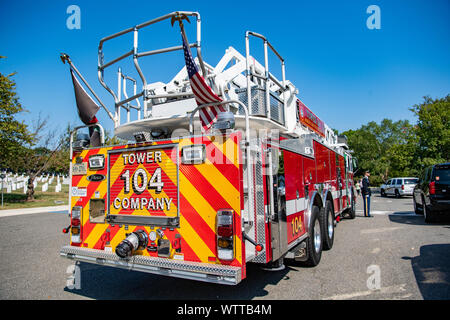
{"x":197,"y":192}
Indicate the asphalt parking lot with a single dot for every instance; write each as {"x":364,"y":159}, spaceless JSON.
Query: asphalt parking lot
{"x":393,"y":255}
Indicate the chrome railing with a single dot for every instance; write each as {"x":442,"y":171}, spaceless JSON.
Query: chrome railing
{"x":267,"y":75}
{"x":102,"y":65}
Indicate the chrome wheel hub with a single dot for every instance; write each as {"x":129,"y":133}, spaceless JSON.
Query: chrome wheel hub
{"x":317,"y":237}
{"x":330,"y":225}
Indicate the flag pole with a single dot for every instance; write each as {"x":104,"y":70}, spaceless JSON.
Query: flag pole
{"x":180,"y":17}
{"x":65,"y":58}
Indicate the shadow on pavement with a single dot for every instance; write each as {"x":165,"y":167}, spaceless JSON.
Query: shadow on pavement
{"x":108,"y":283}
{"x":406,"y":217}
{"x":432,"y":271}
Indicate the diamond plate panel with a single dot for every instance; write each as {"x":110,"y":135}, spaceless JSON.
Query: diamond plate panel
{"x":189,"y":266}
{"x":260,"y":224}
{"x":259,"y":107}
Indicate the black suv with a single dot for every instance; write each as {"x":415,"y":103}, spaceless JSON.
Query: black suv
{"x":431,"y":195}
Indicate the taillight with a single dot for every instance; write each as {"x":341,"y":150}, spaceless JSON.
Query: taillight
{"x":225,"y":233}
{"x":75,"y":224}
{"x":403,"y":187}
{"x":432,"y":188}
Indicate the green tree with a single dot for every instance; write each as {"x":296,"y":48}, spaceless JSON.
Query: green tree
{"x":433,"y":131}
{"x":384,"y":149}
{"x":400,"y":149}
{"x":13,"y":133}
{"x":401,"y":155}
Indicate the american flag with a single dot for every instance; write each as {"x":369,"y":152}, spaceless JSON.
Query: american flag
{"x":202,"y":92}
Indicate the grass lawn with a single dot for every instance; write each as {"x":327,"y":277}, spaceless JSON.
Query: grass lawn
{"x":17,"y":199}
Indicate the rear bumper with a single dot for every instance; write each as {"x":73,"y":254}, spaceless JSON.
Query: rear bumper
{"x":440,"y":206}
{"x":181,"y":269}
{"x":406,"y":192}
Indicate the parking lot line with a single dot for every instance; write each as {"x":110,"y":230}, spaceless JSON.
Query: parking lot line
{"x":378,"y":212}
{"x":16,"y":212}
{"x":377,"y":230}
{"x":386,"y":290}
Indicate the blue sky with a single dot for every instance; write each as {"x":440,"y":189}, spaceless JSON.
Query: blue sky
{"x":347,"y":74}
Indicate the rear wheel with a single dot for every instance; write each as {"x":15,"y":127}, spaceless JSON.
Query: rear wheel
{"x":427,"y":213}
{"x":314,"y":242}
{"x":352,"y":210}
{"x":397,"y":194}
{"x":328,"y":232}
{"x":416,"y":207}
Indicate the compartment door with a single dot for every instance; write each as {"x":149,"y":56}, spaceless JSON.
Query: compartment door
{"x":278,"y":219}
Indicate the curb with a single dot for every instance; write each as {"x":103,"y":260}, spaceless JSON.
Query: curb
{"x":14,"y":212}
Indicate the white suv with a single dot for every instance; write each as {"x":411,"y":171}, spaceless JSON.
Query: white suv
{"x":399,"y":187}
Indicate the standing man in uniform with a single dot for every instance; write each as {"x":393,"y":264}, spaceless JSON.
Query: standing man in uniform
{"x":366,"y":193}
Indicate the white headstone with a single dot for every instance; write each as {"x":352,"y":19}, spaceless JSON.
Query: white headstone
{"x":45,"y":187}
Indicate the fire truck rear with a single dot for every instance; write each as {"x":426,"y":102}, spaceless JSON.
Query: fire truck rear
{"x":268,"y":182}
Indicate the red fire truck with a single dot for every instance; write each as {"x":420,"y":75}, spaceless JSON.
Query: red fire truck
{"x":269,"y":181}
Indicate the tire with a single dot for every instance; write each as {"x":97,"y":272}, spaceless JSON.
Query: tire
{"x":314,"y":242}
{"x":383,"y":194}
{"x":352,"y":211}
{"x":427,"y":213}
{"x":397,"y":194}
{"x":416,"y":208}
{"x":328,"y":230}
